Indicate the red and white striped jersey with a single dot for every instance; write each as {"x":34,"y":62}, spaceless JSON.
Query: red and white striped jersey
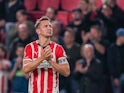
{"x":4,"y":77}
{"x":44,"y":79}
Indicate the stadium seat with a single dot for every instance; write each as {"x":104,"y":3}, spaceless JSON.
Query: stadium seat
{"x":44,"y":4}
{"x":63,"y":17}
{"x":121,"y":4}
{"x":30,"y":4}
{"x":69,"y":5}
{"x":36,"y":14}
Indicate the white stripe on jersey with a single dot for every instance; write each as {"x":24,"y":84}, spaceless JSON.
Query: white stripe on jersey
{"x":31,"y":83}
{"x":54,"y":72}
{"x":5,"y":87}
{"x":38,"y":81}
{"x":39,"y":72}
{"x":45,"y":81}
{"x":0,"y":83}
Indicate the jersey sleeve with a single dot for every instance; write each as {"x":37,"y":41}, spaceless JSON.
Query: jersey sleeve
{"x":61,"y":55}
{"x":27,"y":53}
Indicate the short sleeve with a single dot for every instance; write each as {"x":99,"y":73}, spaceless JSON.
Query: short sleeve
{"x":27,"y":53}
{"x":61,"y":55}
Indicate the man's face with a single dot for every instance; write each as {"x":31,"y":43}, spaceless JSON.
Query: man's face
{"x":122,"y":39}
{"x":76,"y":15}
{"x":83,"y":5}
{"x":50,"y":13}
{"x":23,"y":33}
{"x":20,"y":51}
{"x":87,"y":53}
{"x":45,"y":29}
{"x":56,"y":29}
{"x":20,"y":17}
{"x":95,"y":34}
{"x":68,"y":38}
{"x":106,"y":11}
{"x":2,"y":53}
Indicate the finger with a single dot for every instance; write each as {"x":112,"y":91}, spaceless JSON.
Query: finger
{"x":48,"y":50}
{"x":48,"y":53}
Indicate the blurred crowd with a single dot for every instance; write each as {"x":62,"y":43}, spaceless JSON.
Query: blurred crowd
{"x":93,"y":40}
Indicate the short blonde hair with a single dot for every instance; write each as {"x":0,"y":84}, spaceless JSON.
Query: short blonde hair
{"x":41,"y":19}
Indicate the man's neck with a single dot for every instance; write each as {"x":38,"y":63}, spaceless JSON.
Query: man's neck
{"x":43,"y":41}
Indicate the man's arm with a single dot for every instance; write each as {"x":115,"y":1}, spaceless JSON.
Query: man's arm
{"x":100,"y":48}
{"x":63,"y":69}
{"x":62,"y":65}
{"x":31,"y":65}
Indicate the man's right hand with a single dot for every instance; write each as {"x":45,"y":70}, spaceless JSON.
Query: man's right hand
{"x":46,"y":53}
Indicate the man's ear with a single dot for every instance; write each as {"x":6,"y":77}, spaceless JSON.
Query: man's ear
{"x":38,"y":31}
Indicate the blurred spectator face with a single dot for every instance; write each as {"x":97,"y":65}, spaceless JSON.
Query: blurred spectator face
{"x":106,"y":10}
{"x":23,"y":31}
{"x":56,"y":27}
{"x":20,"y":16}
{"x":112,"y":3}
{"x":92,"y":5}
{"x":68,"y":37}
{"x":76,"y":15}
{"x":87,"y":51}
{"x":50,"y":12}
{"x":20,"y":51}
{"x":84,"y":5}
{"x":2,"y":53}
{"x":95,"y":34}
{"x":121,"y":39}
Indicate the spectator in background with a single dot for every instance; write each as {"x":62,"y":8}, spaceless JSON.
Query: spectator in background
{"x":57,"y":28}
{"x":77,"y":24}
{"x":101,"y":46}
{"x":116,"y":62}
{"x":117,"y":12}
{"x":24,"y":38}
{"x":73,"y":53}
{"x":11,"y":7}
{"x":110,"y":23}
{"x":84,"y":6}
{"x":4,"y":70}
{"x":2,"y":31}
{"x":90,"y":70}
{"x":22,"y":18}
{"x":51,"y":13}
{"x":19,"y":81}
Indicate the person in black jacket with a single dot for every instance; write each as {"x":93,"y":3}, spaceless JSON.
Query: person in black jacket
{"x":23,"y":38}
{"x":90,"y":71}
{"x":116,"y":62}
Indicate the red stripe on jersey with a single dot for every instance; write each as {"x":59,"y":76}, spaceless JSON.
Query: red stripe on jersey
{"x":3,"y":84}
{"x":42,"y":80}
{"x":28,"y":52}
{"x":59,"y":52}
{"x":35,"y":90}
{"x":50,"y":80}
